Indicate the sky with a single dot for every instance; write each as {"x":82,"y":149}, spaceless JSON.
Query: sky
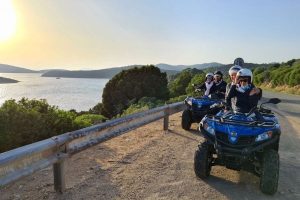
{"x":95,"y":34}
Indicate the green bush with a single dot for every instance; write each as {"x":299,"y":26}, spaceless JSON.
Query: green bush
{"x":178,"y":86}
{"x":176,"y":99}
{"x":89,"y":120}
{"x":291,"y":62}
{"x":279,"y":74}
{"x":143,"y":104}
{"x":27,"y":121}
{"x":129,"y":86}
{"x":181,"y":85}
{"x":198,"y":79}
{"x":97,"y":109}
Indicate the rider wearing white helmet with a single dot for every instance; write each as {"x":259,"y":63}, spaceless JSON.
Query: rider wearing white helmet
{"x":209,"y":86}
{"x":232,"y":74}
{"x":209,"y":77}
{"x":244,"y":91}
{"x":238,"y":63}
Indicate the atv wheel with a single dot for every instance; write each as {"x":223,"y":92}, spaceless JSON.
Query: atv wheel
{"x":202,"y":160}
{"x":269,"y":172}
{"x":186,"y":120}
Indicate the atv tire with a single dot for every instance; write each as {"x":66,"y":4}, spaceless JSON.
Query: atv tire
{"x":202,"y":160}
{"x":269,"y":172}
{"x":186,"y":120}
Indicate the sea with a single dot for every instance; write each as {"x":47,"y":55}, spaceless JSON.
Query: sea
{"x":80,"y":94}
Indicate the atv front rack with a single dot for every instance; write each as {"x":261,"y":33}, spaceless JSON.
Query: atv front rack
{"x":245,"y":123}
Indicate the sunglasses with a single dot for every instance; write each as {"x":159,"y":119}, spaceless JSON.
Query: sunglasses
{"x":243,"y":80}
{"x":217,"y":76}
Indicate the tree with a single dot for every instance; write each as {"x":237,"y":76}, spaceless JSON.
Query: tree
{"x":197,"y":80}
{"x":128,"y":86}
{"x":28,"y":121}
{"x":178,"y":86}
{"x":291,"y":62}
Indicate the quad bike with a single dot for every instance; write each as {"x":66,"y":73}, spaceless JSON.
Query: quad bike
{"x":197,"y":108}
{"x":241,"y":141}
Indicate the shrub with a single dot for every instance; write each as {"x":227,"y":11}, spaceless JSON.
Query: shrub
{"x":28,"y":121}
{"x":89,"y":120}
{"x":131,"y":85}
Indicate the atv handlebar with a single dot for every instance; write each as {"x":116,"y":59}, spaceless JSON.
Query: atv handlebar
{"x":272,"y":101}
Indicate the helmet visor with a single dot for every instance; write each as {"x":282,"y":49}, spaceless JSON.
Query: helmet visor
{"x":243,"y":79}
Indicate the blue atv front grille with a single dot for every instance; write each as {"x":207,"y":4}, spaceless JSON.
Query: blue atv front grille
{"x":241,"y":140}
{"x":200,"y":111}
{"x":202,"y":108}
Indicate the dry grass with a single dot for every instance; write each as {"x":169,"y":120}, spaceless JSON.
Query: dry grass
{"x":283,"y":88}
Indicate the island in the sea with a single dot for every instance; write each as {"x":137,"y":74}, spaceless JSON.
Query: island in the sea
{"x":7,"y":80}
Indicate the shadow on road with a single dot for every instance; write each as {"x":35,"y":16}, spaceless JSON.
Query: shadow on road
{"x":185,"y":136}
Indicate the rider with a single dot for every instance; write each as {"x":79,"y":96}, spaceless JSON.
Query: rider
{"x":220,"y":84}
{"x":232,"y":74}
{"x":247,"y":95}
{"x":239,"y":61}
{"x":209,"y":86}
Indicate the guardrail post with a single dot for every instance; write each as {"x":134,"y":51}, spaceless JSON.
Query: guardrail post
{"x":59,"y":176}
{"x":166,"y":119}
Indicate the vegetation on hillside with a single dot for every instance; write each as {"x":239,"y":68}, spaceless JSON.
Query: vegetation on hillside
{"x":180,"y":83}
{"x":130,"y":91}
{"x":27,"y":121}
{"x":279,"y":74}
{"x":129,"y":86}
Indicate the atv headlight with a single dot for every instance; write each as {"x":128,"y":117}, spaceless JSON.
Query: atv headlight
{"x":264,"y":136}
{"x":214,"y":105}
{"x":209,"y":129}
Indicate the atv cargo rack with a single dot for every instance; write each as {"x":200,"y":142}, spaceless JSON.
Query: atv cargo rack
{"x":239,"y":122}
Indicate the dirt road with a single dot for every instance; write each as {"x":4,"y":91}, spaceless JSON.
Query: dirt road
{"x":150,"y":164}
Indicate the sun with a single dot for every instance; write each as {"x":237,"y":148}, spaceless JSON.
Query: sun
{"x":8,"y":20}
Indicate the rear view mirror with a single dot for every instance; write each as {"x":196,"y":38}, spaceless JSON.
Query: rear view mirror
{"x":274,"y":101}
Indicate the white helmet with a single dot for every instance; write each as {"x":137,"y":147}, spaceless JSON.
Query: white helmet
{"x":234,"y":69}
{"x":245,"y":73}
{"x":209,"y":74}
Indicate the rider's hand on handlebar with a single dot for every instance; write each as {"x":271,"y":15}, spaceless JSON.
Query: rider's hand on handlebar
{"x":254,"y":91}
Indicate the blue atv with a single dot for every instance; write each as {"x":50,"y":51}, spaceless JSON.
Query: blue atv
{"x":241,"y":141}
{"x":197,"y":108}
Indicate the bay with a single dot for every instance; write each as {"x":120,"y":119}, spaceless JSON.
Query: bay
{"x":80,"y":94}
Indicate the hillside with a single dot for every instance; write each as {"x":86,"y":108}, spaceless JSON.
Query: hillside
{"x":110,"y":72}
{"x":182,"y":67}
{"x":102,"y":73}
{"x":225,"y":68}
{"x":281,"y":77}
{"x":12,"y":69}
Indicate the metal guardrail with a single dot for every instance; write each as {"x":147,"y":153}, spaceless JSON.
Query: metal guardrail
{"x":25,"y":160}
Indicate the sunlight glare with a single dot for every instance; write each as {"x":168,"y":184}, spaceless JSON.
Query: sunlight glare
{"x":7,"y":20}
